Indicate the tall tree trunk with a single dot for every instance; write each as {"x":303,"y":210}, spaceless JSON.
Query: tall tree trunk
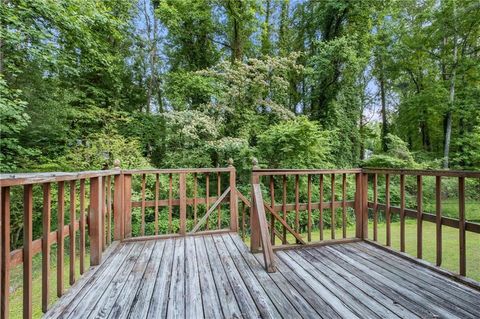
{"x":282,"y":32}
{"x":266,"y":45}
{"x":451,"y":98}
{"x":383,"y":101}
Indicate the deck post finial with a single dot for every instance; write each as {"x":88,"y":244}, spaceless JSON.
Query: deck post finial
{"x":255,"y":162}
{"x":116,"y":164}
{"x":230,"y":162}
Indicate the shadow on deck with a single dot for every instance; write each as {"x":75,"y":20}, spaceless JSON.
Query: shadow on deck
{"x":214,"y":276}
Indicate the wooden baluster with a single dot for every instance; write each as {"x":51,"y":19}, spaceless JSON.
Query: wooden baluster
{"x":60,"y":219}
{"x":219,"y":193}
{"x":332,"y":205}
{"x":46,"y":245}
{"x":183,"y":203}
{"x":364,"y":207}
{"x":375,"y":207}
{"x":103,"y":213}
{"x":461,"y":225}
{"x":27,"y":250}
{"x":297,"y":205}
{"x":157,"y":196}
{"x":272,"y":205}
{"x":72,"y":232}
{"x":387,"y":209}
{"x":438,"y":217}
{"x":82,"y":226}
{"x":344,"y":205}
{"x":419,"y":216}
{"x":309,"y":208}
{"x":402,"y":213}
{"x":127,"y":202}
{"x":233,"y":197}
{"x":109,"y":210}
{"x":320,"y":208}
{"x":5,"y":258}
{"x":142,"y":226}
{"x":118,"y":207}
{"x":195,"y":201}
{"x":170,"y":202}
{"x":95,"y":220}
{"x":207,"y":199}
{"x":243,"y":221}
{"x":284,"y":208}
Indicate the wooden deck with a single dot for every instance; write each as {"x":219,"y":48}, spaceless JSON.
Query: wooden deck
{"x":215,"y":276}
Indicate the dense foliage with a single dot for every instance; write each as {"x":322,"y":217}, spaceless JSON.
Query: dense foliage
{"x":194,"y":82}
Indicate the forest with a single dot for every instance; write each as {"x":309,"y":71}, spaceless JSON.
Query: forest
{"x":191,"y":83}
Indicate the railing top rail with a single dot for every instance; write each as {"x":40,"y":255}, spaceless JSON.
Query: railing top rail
{"x":446,"y":173}
{"x":15,"y":179}
{"x":178,"y":170}
{"x":268,"y":172}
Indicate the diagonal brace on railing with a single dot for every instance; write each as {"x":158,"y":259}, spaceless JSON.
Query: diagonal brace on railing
{"x":204,"y":218}
{"x":285,"y":224}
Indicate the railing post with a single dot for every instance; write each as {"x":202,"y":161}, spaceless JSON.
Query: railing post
{"x":254,"y":225}
{"x":5,"y":253}
{"x":95,"y":230}
{"x":183,"y":203}
{"x":361,"y":205}
{"x":127,"y":205}
{"x":233,"y":197}
{"x":118,"y":200}
{"x":364,"y":206}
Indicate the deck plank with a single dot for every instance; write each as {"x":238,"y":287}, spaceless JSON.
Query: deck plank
{"x":159,"y":301}
{"x":352,"y":302}
{"x":285,"y":297}
{"x":193,"y":293}
{"x":122,"y":305}
{"x":242,"y":296}
{"x":450,"y":304}
{"x":141,"y":302}
{"x":210,"y":299}
{"x":176,"y":296}
{"x":244,"y":260}
{"x":318,"y":287}
{"x":100,"y":307}
{"x":416,"y":296}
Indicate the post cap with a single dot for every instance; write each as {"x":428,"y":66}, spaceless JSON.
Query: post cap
{"x":255,"y":162}
{"x":230,"y":162}
{"x":116,"y":164}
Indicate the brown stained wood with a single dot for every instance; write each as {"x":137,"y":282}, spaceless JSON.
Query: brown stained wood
{"x":207,"y":196}
{"x":297,"y":236}
{"x":461,"y":228}
{"x":204,"y":219}
{"x":282,"y":171}
{"x":332,"y":208}
{"x":272,"y":204}
{"x":387,"y":210}
{"x":309,"y":208}
{"x":109,"y":210}
{"x":118,"y":213}
{"x":233,"y":200}
{"x":103,"y":210}
{"x":127,"y":195}
{"x":297,"y":205}
{"x":27,"y":250}
{"x":320,"y":208}
{"x":82,"y":226}
{"x":364,"y":206}
{"x":416,"y":172}
{"x":438,"y":217}
{"x":5,"y":252}
{"x":284,"y":208}
{"x":40,"y":178}
{"x":195,"y":191}
{"x":243,"y":221}
{"x":344,"y":205}
{"x":219,"y":209}
{"x":60,"y":236}
{"x":375,"y":207}
{"x":46,"y":214}
{"x":157,"y":197}
{"x":142,"y":225}
{"x":95,"y":219}
{"x":262,"y":222}
{"x":419,"y":217}
{"x":402,"y":213}
{"x":183,"y":205}
{"x":72,"y":231}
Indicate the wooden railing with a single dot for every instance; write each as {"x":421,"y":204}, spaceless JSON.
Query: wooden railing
{"x":92,"y":190}
{"x":285,"y":212}
{"x":418,"y":212}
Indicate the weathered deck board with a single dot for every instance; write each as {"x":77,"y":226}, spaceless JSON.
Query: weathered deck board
{"x":215,"y":276}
